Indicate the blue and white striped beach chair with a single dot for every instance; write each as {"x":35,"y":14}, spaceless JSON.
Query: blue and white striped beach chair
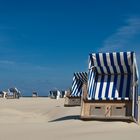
{"x":13,"y":93}
{"x":112,"y":90}
{"x":73,"y":97}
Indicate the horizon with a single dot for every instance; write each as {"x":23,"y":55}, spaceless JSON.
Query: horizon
{"x":42,"y":43}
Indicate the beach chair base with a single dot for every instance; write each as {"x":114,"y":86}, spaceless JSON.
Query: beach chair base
{"x":108,"y":110}
{"x":72,"y":101}
{"x":34,"y":96}
{"x":12,"y":96}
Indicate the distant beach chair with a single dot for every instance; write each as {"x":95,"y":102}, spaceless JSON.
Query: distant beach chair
{"x":13,"y":93}
{"x":73,"y":96}
{"x":112,"y":89}
{"x":1,"y":94}
{"x":63,"y":93}
{"x":55,"y":94}
{"x":34,"y":94}
{"x":4,"y":94}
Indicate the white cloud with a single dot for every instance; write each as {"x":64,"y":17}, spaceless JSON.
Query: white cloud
{"x":19,"y":66}
{"x":126,"y":38}
{"x":6,"y":62}
{"x":122,"y":39}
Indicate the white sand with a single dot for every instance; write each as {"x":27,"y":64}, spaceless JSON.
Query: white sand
{"x":47,"y":119}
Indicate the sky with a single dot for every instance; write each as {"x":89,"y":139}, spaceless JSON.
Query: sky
{"x":42,"y":42}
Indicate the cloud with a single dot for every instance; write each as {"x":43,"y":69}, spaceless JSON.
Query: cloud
{"x":122,"y":39}
{"x":19,"y":67}
{"x":125,"y":38}
{"x":6,"y":62}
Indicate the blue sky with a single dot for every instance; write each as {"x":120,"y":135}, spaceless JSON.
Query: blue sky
{"x":43,"y":42}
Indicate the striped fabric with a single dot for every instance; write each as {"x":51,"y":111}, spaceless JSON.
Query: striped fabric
{"x":78,"y":80}
{"x":112,"y":63}
{"x":110,"y":87}
{"x":110,"y":76}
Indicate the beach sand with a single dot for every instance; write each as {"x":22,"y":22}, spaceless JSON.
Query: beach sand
{"x":44,"y":118}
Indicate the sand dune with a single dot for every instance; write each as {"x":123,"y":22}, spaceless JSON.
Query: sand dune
{"x":43,"y":118}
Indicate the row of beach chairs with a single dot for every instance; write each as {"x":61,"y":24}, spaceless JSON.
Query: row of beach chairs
{"x":109,"y":89}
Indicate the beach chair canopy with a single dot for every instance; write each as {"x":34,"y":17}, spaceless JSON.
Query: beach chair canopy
{"x":112,"y":76}
{"x":78,"y":80}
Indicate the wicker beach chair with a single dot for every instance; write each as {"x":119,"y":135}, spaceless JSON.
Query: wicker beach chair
{"x":13,"y":93}
{"x":112,"y":89}
{"x":34,"y":94}
{"x":73,"y":97}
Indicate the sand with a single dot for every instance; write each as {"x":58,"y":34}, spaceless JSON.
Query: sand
{"x":44,"y":118}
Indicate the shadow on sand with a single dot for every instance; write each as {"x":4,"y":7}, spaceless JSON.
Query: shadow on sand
{"x":77,"y":117}
{"x":72,"y":117}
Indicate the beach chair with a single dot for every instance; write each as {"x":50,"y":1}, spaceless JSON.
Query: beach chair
{"x":13,"y":93}
{"x":112,"y":89}
{"x":55,"y":94}
{"x":63,"y":93}
{"x":34,"y":94}
{"x":1,"y":94}
{"x":73,"y":96}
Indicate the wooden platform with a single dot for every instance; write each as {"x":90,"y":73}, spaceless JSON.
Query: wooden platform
{"x":72,"y":101}
{"x":12,"y":97}
{"x":106,"y":109}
